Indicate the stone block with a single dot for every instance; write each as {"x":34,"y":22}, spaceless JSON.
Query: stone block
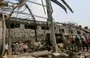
{"x":59,"y":55}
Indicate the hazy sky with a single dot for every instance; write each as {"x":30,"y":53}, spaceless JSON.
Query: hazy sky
{"x":81,"y":12}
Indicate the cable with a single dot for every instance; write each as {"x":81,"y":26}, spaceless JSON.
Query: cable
{"x":24,"y":13}
{"x":33,"y":18}
{"x":37,"y":3}
{"x":43,"y":6}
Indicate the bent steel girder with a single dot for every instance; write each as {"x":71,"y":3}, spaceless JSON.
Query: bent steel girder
{"x":21,"y":4}
{"x":67,"y":6}
{"x":62,"y":6}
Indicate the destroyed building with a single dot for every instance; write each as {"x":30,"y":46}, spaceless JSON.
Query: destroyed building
{"x":23,"y":29}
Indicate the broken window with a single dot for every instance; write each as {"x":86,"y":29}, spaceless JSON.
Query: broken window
{"x":17,"y":25}
{"x":59,"y":37}
{"x":28,"y":26}
{"x":44,"y":27}
{"x":62,"y":30}
{"x":78,"y":32}
{"x":12,"y":25}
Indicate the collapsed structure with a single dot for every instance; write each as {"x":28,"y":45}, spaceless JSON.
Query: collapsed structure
{"x":13,"y":29}
{"x":23,"y":29}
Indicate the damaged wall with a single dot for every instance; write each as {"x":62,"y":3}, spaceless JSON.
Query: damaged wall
{"x":20,"y":32}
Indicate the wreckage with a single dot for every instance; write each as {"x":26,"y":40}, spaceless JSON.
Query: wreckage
{"x":48,"y":33}
{"x":18,"y":29}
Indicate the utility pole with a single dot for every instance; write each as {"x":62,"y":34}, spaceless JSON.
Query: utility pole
{"x":50,"y":20}
{"x":4,"y":32}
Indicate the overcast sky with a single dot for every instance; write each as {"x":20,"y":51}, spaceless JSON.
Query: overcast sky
{"x":81,"y":13}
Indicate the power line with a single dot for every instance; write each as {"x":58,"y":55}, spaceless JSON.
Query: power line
{"x":23,"y":13}
{"x":37,"y":3}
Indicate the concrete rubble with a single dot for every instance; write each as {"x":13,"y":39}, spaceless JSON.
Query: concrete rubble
{"x":46,"y":54}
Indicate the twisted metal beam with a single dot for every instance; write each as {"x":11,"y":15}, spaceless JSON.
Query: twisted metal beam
{"x":62,"y":6}
{"x":67,"y":6}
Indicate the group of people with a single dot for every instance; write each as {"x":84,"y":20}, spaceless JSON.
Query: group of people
{"x":78,"y":42}
{"x":71,"y":42}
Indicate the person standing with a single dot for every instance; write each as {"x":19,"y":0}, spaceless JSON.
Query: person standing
{"x":89,"y":40}
{"x":77,"y":41}
{"x":84,"y":42}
